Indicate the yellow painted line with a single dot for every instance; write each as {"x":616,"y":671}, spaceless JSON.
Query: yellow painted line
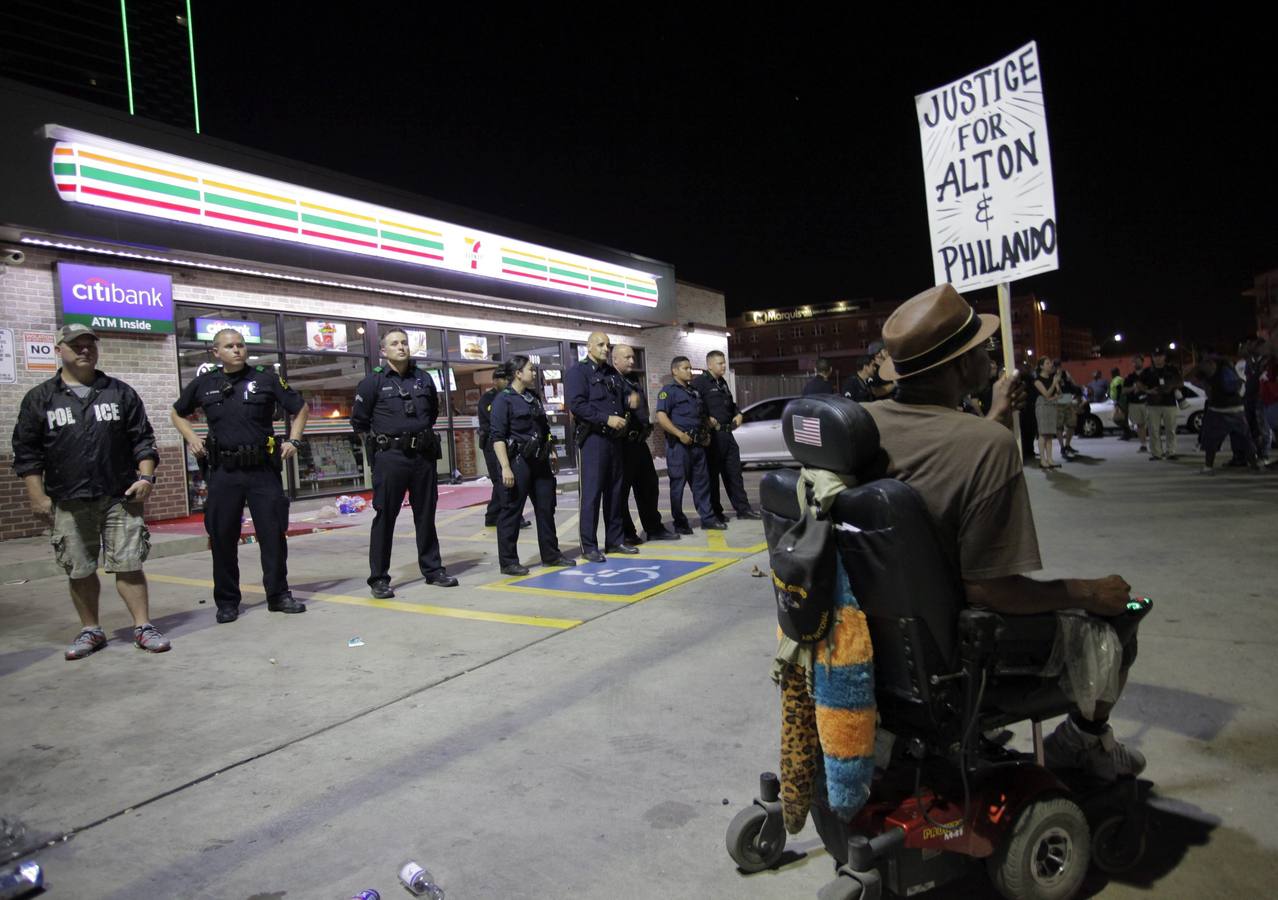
{"x":713,"y":564}
{"x":243,"y":190}
{"x":717,"y":540}
{"x":129,"y":165}
{"x":411,"y":228}
{"x":338,"y":212}
{"x":447,"y":612}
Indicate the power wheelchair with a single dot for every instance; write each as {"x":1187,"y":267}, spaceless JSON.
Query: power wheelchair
{"x":947,"y":797}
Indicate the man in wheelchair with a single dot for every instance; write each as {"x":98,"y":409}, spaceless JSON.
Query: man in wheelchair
{"x":934,"y":638}
{"x":968,"y":472}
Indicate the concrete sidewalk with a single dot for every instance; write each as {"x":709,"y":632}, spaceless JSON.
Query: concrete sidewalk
{"x":525,"y":745}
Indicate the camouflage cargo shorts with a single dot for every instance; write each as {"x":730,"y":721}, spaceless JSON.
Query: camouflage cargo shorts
{"x":86,"y":530}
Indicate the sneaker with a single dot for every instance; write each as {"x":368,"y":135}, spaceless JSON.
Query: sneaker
{"x":148,"y":637}
{"x":89,"y":640}
{"x":381,"y":589}
{"x":1100,"y":756}
{"x":514,"y":569}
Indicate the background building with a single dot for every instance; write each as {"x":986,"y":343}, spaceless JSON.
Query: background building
{"x":788,"y":341}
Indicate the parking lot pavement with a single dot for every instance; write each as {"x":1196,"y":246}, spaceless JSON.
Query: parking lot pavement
{"x":525,"y":743}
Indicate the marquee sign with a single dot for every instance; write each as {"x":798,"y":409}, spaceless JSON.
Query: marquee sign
{"x":108,"y":174}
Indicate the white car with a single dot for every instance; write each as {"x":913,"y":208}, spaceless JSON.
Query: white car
{"x":759,"y":435}
{"x":1100,"y":418}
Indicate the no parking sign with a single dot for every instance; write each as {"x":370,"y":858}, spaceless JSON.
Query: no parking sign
{"x":41,"y":351}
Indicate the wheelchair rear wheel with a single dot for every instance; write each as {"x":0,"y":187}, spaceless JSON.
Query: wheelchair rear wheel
{"x":1046,"y":854}
{"x":743,"y":842}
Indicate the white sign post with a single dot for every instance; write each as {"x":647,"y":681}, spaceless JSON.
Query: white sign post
{"x":988,"y":176}
{"x":8,"y":357}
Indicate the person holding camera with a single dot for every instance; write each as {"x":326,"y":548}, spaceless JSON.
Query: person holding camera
{"x":520,"y":436}
{"x":396,"y":408}
{"x":243,"y":458}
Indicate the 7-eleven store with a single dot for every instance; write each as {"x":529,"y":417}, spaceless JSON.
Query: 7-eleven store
{"x":312,"y":267}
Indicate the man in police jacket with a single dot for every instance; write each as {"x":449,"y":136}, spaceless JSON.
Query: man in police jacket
{"x":598,"y":401}
{"x":243,"y":459}
{"x":85,"y":449}
{"x":723,"y":456}
{"x":396,"y":407}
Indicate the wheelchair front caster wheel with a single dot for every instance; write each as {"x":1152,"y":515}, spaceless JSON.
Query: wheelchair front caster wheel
{"x":1118,"y":844}
{"x":1046,"y":854}
{"x":745,"y":841}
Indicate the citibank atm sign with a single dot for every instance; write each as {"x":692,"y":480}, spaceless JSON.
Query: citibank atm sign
{"x":116,"y":299}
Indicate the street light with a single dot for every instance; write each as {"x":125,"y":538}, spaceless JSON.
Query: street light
{"x":1171,"y":346}
{"x":1118,"y":338}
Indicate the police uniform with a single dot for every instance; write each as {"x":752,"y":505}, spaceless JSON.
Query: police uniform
{"x":723,"y":456}
{"x":638,"y":472}
{"x":519,"y":421}
{"x":398,"y":412}
{"x":496,"y":501}
{"x":686,"y":410}
{"x":243,"y":462}
{"x":594,"y":392}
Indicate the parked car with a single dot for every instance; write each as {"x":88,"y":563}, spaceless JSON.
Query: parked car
{"x":1100,"y":418}
{"x":760,"y":437}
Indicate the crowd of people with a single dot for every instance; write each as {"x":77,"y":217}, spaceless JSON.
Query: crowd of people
{"x":85,"y":448}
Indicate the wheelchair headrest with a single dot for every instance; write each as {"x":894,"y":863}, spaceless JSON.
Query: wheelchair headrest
{"x":825,"y":431}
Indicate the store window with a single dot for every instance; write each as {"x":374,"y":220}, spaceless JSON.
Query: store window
{"x":474,"y":346}
{"x":196,"y":325}
{"x":331,"y":458}
{"x":423,"y":343}
{"x":322,"y":334}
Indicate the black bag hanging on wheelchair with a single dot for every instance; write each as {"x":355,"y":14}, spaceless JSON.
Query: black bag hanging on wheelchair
{"x":804,"y":573}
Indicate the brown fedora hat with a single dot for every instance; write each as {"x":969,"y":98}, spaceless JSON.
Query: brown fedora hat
{"x":930,"y":329}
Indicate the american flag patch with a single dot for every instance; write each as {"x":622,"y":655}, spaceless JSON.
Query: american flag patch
{"x":807,"y":430}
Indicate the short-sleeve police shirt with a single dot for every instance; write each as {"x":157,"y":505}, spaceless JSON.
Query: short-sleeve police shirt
{"x":389,"y":403}
{"x":518,"y":417}
{"x":240,"y":407}
{"x":682,"y":404}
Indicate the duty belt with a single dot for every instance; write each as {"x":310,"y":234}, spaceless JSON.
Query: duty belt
{"x":418,"y":440}
{"x":244,"y":456}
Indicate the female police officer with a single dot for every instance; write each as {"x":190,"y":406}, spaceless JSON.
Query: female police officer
{"x":520,"y":436}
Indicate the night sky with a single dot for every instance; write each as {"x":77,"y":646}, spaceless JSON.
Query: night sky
{"x":780,"y":162}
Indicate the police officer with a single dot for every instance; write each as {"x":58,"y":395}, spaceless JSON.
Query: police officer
{"x":86,"y":450}
{"x":396,"y":407}
{"x":243,"y":460}
{"x":501,"y":376}
{"x":823,"y":381}
{"x":723,"y":456}
{"x":682,"y":416}
{"x":637,"y":469}
{"x":598,"y":401}
{"x":521,"y":441}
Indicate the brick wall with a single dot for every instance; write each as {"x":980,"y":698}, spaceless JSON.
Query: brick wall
{"x":146,"y":362}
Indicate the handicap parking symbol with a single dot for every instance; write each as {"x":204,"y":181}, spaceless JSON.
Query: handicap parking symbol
{"x":630,"y":579}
